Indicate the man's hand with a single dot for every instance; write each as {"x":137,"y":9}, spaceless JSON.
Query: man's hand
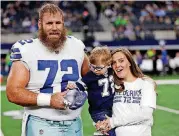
{"x":79,"y":100}
{"x":57,"y":100}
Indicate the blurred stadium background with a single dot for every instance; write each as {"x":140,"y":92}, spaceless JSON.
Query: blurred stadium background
{"x":150,"y":29}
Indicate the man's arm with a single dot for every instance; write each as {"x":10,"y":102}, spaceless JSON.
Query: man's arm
{"x":16,"y":93}
{"x":17,"y":80}
{"x":85,"y":65}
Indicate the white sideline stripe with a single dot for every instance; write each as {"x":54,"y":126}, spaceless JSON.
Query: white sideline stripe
{"x":159,"y":82}
{"x":173,"y":81}
{"x":167,"y":109}
{"x":1,"y":134}
{"x":3,"y":88}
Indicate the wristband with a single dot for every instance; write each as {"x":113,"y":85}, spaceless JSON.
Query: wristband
{"x":43,"y":99}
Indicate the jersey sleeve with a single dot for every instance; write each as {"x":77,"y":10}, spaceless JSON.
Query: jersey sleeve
{"x":148,"y":95}
{"x":87,"y":78}
{"x":19,"y":54}
{"x":81,"y":44}
{"x":81,"y":85}
{"x":16,"y":52}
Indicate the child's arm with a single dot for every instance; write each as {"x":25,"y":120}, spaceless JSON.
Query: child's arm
{"x":71,"y":85}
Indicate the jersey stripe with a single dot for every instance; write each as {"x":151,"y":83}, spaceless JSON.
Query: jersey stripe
{"x":15,"y":50}
{"x":15,"y":56}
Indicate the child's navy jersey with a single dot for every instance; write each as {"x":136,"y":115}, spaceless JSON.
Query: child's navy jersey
{"x":100,"y":91}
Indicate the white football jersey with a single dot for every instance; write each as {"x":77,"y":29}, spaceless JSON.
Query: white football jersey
{"x":50,"y":72}
{"x":137,"y":94}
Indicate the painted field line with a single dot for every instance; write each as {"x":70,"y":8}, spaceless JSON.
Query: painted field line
{"x":164,"y":82}
{"x":167,"y":109}
{"x":3,"y":88}
{"x":1,"y":134}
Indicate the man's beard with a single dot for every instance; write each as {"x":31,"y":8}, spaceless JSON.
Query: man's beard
{"x":53,"y":44}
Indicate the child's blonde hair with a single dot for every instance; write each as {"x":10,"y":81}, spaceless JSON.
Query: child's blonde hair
{"x":100,"y":54}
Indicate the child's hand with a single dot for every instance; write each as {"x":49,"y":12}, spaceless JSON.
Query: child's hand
{"x":71,"y":86}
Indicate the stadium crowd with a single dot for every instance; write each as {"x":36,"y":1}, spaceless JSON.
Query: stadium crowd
{"x":130,"y":19}
{"x":133,"y":19}
{"x":21,"y":16}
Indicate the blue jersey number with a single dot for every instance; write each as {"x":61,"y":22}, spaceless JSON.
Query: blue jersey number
{"x":53,"y":66}
{"x":69,"y":66}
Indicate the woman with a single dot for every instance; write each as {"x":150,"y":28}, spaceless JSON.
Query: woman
{"x":134,"y":100}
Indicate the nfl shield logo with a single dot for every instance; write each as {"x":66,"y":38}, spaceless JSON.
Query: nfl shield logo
{"x":41,"y":132}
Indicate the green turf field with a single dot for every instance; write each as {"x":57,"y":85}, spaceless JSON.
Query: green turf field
{"x":165,"y":123}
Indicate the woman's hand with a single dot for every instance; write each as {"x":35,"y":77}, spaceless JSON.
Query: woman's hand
{"x":104,"y":126}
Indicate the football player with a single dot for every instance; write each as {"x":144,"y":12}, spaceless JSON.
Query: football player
{"x":40,"y":72}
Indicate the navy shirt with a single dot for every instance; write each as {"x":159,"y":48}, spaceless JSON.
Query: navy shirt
{"x":100,"y":91}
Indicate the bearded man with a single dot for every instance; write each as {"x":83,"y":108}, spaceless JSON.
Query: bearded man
{"x":40,"y":71}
